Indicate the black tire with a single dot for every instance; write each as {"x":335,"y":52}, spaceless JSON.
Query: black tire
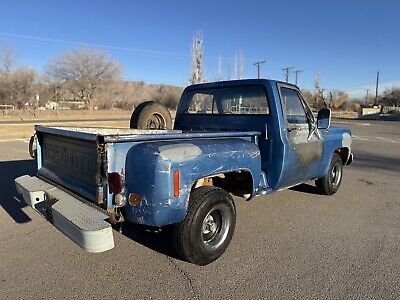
{"x":330,"y":184}
{"x":208,"y":227}
{"x":32,"y":146}
{"x":151,"y":115}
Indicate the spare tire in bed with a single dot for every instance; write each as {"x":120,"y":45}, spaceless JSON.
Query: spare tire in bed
{"x":151,"y":115}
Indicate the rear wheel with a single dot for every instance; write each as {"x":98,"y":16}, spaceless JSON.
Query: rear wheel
{"x":208,"y":227}
{"x":330,"y":184}
{"x":151,"y":115}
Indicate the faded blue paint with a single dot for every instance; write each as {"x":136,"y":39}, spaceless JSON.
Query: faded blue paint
{"x":280,"y":161}
{"x":202,"y":146}
{"x":332,"y":141}
{"x":150,"y":167}
{"x":118,"y":152}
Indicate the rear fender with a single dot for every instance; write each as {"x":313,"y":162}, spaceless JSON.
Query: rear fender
{"x":150,"y":168}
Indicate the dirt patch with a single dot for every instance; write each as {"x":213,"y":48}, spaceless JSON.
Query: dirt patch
{"x":16,"y":124}
{"x":17,"y":131}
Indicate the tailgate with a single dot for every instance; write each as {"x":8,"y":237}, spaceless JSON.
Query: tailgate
{"x":73,"y":162}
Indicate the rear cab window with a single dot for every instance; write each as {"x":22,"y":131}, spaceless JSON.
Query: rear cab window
{"x":250,"y":100}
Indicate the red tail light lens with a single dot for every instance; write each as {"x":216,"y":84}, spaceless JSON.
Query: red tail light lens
{"x":176,"y":183}
{"x":115,"y":182}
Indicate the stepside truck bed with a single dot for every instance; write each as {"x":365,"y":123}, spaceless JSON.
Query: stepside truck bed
{"x":80,"y":158}
{"x":71,"y":181}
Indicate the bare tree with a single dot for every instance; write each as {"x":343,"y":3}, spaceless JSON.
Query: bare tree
{"x":219,"y":74}
{"x":197,"y":59}
{"x":18,"y":87}
{"x":84,"y":72}
{"x":229,"y":73}
{"x":391,"y":96}
{"x":318,"y":97}
{"x":308,"y":96}
{"x":240,"y":63}
{"x":339,"y":99}
{"x":7,"y":59}
{"x":235,"y":66}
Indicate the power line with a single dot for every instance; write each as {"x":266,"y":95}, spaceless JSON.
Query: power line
{"x":258,"y":63}
{"x":296,"y":72}
{"x":126,"y":50}
{"x":287,"y":70}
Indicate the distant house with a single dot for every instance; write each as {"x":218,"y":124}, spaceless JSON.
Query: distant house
{"x":51,"y":105}
{"x":7,"y":106}
{"x":366,"y":109}
{"x":65,"y":104}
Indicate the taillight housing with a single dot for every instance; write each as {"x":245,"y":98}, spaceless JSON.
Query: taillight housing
{"x":115,"y":182}
{"x":176,"y":183}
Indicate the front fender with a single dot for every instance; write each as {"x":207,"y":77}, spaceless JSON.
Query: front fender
{"x":150,"y":167}
{"x":335,"y":138}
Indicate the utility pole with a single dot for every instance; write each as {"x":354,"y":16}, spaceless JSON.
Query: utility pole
{"x":296,"y":72}
{"x":258,"y":63}
{"x":366,"y":96}
{"x":376,"y":88}
{"x":286,"y":70}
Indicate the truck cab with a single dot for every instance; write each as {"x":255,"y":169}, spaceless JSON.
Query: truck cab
{"x":292,"y":147}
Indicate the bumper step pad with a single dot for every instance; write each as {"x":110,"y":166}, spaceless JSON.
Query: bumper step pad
{"x":82,"y":223}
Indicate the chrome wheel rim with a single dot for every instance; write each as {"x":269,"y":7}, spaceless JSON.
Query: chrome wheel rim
{"x":215,"y":227}
{"x":336,"y":174}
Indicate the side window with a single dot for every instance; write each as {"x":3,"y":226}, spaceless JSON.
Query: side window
{"x":293,"y":108}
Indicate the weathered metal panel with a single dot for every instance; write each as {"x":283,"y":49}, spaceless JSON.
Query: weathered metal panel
{"x":150,"y":167}
{"x":134,"y":135}
{"x":334,"y":138}
{"x":69,"y":162}
{"x":70,"y":157}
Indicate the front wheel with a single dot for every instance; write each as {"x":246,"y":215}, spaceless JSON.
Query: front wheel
{"x":208,"y":227}
{"x":330,"y":184}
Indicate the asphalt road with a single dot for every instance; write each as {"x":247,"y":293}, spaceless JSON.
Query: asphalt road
{"x":293,"y":244}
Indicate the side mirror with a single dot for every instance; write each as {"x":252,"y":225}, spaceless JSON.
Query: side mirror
{"x":324,"y":118}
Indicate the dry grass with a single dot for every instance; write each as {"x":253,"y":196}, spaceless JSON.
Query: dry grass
{"x":17,"y":131}
{"x":26,"y":120}
{"x":51,"y":118}
{"x":31,"y":115}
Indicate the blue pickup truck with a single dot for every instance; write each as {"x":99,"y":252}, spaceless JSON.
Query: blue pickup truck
{"x":245,"y":137}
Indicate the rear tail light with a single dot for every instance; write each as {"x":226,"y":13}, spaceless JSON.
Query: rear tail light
{"x":115,"y":182}
{"x":176,"y":183}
